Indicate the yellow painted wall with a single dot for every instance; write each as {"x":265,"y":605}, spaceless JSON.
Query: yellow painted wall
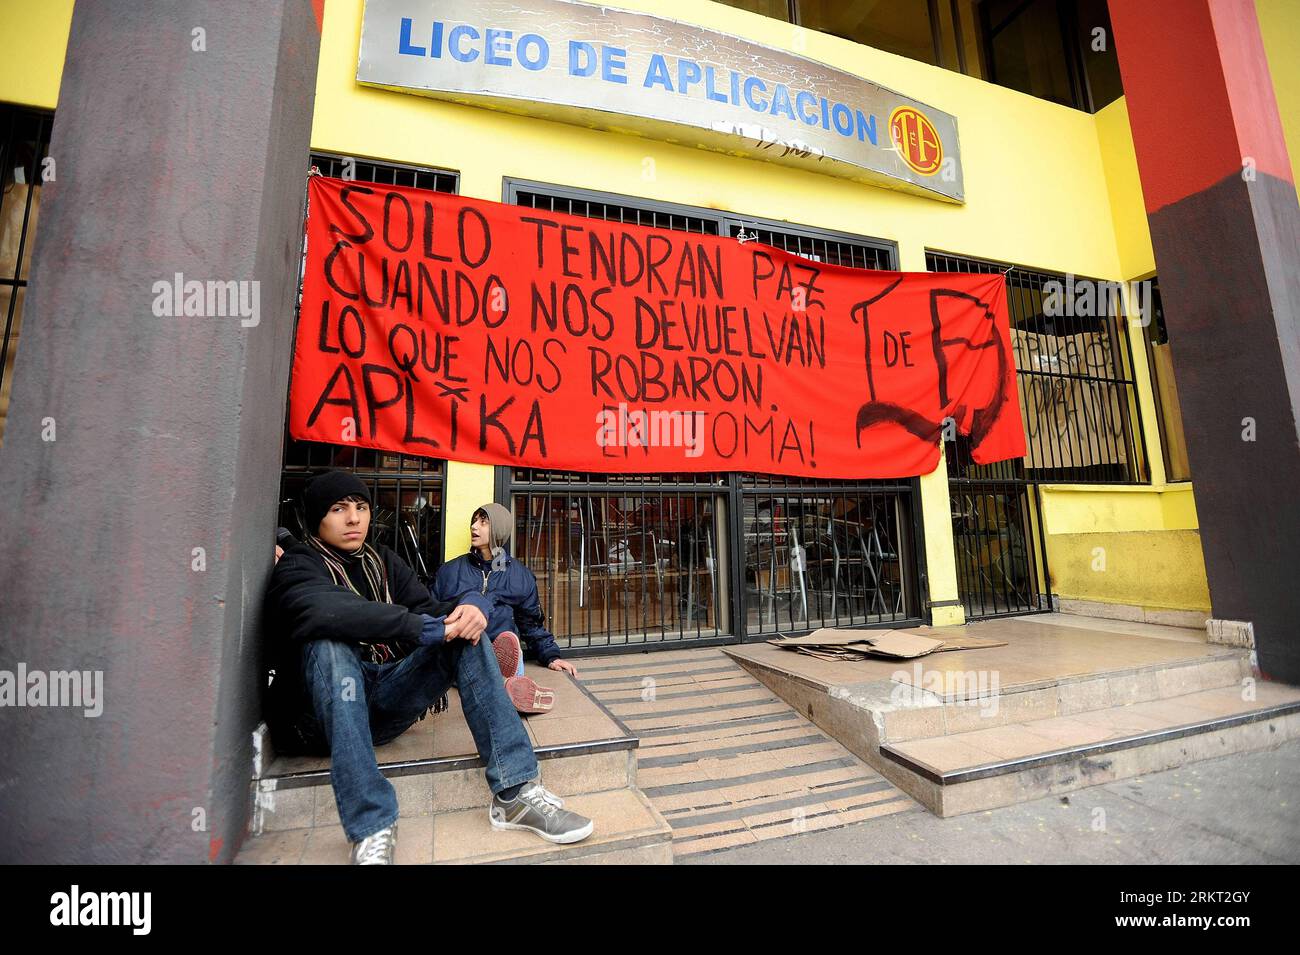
{"x":468,"y":487}
{"x":936,"y":517}
{"x":1279,"y":25}
{"x":33,"y":39}
{"x":1155,"y":570}
{"x":1124,"y":189}
{"x":1018,"y":155}
{"x":1029,"y":166}
{"x":1089,"y":509}
{"x":1126,"y":545}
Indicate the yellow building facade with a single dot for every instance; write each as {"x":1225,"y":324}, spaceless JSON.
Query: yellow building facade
{"x":1047,"y":188}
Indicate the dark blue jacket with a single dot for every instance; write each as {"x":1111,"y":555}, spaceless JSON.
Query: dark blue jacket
{"x":513,"y":590}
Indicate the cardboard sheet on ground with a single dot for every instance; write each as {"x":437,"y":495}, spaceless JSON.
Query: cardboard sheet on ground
{"x":855,"y":645}
{"x":971,"y":643}
{"x":831,"y":638}
{"x":833,"y":655}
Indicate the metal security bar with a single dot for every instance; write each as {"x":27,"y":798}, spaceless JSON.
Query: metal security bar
{"x":1078,"y":402}
{"x":625,"y":562}
{"x":385,"y":173}
{"x":577,"y":203}
{"x":407,"y":490}
{"x":630,"y":560}
{"x":827,"y":553}
{"x":997,"y":540}
{"x":1077,"y":394}
{"x":24,"y":146}
{"x":823,"y":247}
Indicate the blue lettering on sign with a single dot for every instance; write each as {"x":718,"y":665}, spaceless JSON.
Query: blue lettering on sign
{"x":609,"y":64}
{"x":781,"y":101}
{"x":497,"y":47}
{"x":800,"y":98}
{"x":457,"y":34}
{"x":537,"y":61}
{"x":577,"y":50}
{"x":404,"y":44}
{"x":752,"y":83}
{"x":866,"y":128}
{"x":846,"y":127}
{"x":656,"y":73}
{"x":613,"y":64}
{"x":710,"y":86}
{"x":688,"y":72}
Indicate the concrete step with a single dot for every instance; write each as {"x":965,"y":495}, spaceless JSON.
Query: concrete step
{"x":911,"y":711}
{"x":580,"y":746}
{"x":1065,"y":706}
{"x":919,"y":699}
{"x":1006,"y":764}
{"x":628,"y":831}
{"x":436,"y":786}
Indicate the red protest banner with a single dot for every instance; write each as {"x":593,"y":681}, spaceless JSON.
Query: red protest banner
{"x":449,"y":327}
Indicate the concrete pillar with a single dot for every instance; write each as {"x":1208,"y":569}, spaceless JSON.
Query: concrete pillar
{"x":1221,"y":203}
{"x":140,"y":466}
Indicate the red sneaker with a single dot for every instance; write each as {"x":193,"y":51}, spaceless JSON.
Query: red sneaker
{"x":506,"y":647}
{"x":527,"y":696}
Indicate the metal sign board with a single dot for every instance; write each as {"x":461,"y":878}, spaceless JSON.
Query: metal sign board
{"x":635,"y":73}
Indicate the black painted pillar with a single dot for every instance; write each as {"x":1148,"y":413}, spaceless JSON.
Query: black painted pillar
{"x":139,"y":473}
{"x":1225,"y":226}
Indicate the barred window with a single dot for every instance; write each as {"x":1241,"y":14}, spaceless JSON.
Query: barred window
{"x":407,"y":490}
{"x":1078,"y":398}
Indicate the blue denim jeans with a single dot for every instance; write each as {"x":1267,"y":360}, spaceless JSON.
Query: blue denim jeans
{"x":357,"y":705}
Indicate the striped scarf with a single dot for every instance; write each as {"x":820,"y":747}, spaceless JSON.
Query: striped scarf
{"x":372,"y":565}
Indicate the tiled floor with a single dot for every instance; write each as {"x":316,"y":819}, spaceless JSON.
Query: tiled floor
{"x":1041,"y":650}
{"x":727,"y":762}
{"x":946,"y":754}
{"x":622,"y":818}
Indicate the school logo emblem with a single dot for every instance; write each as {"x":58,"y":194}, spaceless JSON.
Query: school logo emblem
{"x":916,"y":140}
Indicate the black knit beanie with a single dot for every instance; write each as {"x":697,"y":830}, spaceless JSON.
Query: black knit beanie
{"x":324,"y":490}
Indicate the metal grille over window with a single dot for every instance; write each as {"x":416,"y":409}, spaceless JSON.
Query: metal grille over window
{"x":826,"y":553}
{"x":24,"y":145}
{"x":625,"y":559}
{"x":1078,"y":403}
{"x":1077,"y":395}
{"x":828,"y":250}
{"x":407,"y":490}
{"x":634,"y":559}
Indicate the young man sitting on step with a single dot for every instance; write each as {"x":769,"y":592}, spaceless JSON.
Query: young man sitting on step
{"x":364,"y":652}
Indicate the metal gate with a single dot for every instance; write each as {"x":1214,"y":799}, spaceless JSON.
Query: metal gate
{"x":1078,"y":401}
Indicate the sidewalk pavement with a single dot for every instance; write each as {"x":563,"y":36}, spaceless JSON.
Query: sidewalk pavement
{"x":1236,"y":809}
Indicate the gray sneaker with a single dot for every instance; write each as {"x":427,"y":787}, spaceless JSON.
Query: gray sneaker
{"x":536,"y":810}
{"x":376,"y":849}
